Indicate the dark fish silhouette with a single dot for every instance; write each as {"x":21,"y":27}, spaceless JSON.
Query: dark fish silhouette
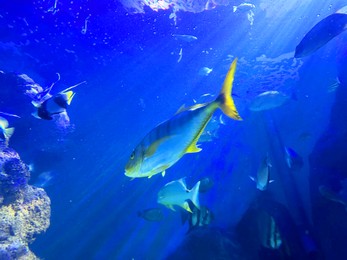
{"x":154,"y":214}
{"x":321,"y":33}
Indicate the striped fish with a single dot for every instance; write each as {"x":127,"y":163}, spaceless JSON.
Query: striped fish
{"x":164,"y":145}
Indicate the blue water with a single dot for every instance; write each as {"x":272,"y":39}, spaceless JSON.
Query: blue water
{"x":134,"y":82}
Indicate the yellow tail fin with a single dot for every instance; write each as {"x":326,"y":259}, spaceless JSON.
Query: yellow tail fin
{"x":226,"y":102}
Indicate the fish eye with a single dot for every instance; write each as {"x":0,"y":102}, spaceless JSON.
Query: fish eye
{"x":132,"y":156}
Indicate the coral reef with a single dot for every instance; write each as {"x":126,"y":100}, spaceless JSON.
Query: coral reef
{"x":24,"y":209}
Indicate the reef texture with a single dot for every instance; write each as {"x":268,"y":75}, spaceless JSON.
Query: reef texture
{"x":24,"y":209}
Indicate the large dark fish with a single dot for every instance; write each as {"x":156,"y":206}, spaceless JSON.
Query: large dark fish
{"x":321,"y":33}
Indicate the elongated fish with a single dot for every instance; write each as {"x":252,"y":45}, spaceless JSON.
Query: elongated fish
{"x":169,"y":141}
{"x":321,"y":33}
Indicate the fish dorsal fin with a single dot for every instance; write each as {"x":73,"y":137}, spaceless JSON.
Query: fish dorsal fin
{"x":185,"y":205}
{"x":154,"y":146}
{"x":183,"y":182}
{"x":181,"y":109}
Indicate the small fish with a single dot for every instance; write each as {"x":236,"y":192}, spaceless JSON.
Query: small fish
{"x":268,"y":100}
{"x":321,"y":34}
{"x":244,"y":7}
{"x":293,"y":159}
{"x":5,"y":131}
{"x":205,"y":71}
{"x":263,"y":175}
{"x":329,"y":194}
{"x":153,"y":214}
{"x":185,"y":37}
{"x":8,"y":114}
{"x":176,"y":193}
{"x":54,"y":105}
{"x":204,"y":98}
{"x":44,"y":179}
{"x":269,"y":233}
{"x":180,"y":55}
{"x":198,"y":218}
{"x":164,"y":145}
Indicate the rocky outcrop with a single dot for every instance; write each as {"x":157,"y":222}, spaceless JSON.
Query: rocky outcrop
{"x":24,"y":209}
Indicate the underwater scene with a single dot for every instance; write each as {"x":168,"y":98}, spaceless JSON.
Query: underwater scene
{"x":173,"y":129}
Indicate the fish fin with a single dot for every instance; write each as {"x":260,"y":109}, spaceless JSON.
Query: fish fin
{"x":3,"y":123}
{"x":234,"y":9}
{"x":170,"y":207}
{"x":163,"y":173}
{"x":154,"y":146}
{"x":68,"y":96}
{"x":36,"y":115}
{"x":195,"y":195}
{"x":183,"y":182}
{"x":36,"y":104}
{"x":196,"y":106}
{"x":69,"y":88}
{"x":252,"y":178}
{"x":271,"y":181}
{"x":185,"y":205}
{"x":225,"y":100}
{"x":8,"y":132}
{"x":193,"y":148}
{"x":181,"y":109}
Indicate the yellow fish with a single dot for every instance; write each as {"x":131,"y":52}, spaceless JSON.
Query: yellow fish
{"x":164,"y":145}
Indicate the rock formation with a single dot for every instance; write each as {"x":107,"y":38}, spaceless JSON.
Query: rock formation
{"x":24,"y":209}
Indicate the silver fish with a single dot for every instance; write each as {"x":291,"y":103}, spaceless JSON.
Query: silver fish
{"x":175,"y":193}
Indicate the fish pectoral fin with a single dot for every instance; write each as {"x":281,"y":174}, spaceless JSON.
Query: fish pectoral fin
{"x":9,"y":132}
{"x":193,"y":148}
{"x":185,"y":205}
{"x":170,"y":207}
{"x":154,"y":146}
{"x":163,"y":173}
{"x":252,"y":178}
{"x":271,"y":181}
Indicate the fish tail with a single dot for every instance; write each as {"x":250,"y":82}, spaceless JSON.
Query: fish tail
{"x":195,"y":195}
{"x":224,"y":99}
{"x":8,"y":132}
